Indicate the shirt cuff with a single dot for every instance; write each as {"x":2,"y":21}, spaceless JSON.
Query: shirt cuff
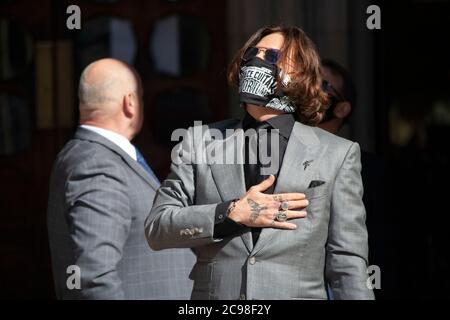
{"x":224,"y":226}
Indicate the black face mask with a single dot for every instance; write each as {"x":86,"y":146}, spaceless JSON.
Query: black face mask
{"x":258,"y":84}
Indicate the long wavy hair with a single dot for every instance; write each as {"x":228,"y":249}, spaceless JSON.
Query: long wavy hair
{"x":298,"y":55}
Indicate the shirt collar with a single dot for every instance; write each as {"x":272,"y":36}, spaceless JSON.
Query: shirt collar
{"x":283,"y":122}
{"x":119,"y":140}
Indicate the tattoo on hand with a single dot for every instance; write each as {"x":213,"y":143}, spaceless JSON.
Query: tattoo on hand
{"x":256,"y":209}
{"x":278,"y":198}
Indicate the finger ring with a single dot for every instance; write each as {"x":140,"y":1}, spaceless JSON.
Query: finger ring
{"x":281,"y":216}
{"x":284,"y":205}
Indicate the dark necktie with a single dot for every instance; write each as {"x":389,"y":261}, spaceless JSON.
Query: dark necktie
{"x":252,"y":171}
{"x":140,"y":159}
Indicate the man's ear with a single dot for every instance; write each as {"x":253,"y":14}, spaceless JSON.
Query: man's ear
{"x":342,"y":110}
{"x":128,"y":105}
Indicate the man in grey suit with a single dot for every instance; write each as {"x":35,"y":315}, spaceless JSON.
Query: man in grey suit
{"x":101,"y":190}
{"x":262,"y":243}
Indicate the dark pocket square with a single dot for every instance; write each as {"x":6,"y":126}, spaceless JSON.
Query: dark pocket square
{"x":315,"y":183}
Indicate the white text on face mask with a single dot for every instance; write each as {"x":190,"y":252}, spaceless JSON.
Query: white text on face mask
{"x":258,"y":81}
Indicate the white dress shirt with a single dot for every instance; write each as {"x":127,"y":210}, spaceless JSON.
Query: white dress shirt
{"x":119,"y":140}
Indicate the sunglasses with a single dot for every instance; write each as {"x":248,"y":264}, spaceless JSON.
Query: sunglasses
{"x":270,"y":55}
{"x":332,"y":92}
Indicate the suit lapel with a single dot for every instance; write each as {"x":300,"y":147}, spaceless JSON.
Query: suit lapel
{"x":85,"y":134}
{"x":303,"y":145}
{"x":229,"y":177}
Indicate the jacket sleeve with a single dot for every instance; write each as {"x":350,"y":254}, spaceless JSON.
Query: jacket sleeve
{"x":99,"y":219}
{"x":347,"y":246}
{"x":175,"y":221}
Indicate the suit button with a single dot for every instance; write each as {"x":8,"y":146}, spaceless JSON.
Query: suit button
{"x":252,"y":260}
{"x":242,"y":297}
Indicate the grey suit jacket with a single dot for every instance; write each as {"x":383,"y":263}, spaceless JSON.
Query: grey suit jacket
{"x":99,"y":199}
{"x":329,"y":245}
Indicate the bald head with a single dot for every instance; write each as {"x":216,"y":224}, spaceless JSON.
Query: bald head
{"x":104,"y":83}
{"x":108,"y":89}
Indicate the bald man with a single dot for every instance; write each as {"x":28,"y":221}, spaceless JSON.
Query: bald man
{"x":101,"y":191}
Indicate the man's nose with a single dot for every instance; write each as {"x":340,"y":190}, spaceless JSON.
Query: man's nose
{"x":261,"y":53}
